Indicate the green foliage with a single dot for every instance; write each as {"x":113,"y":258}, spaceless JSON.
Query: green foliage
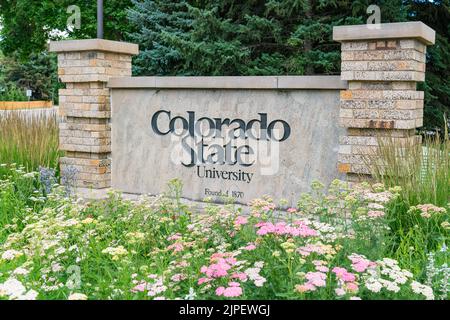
{"x":267,"y":37}
{"x":149,"y":249}
{"x":437,"y":86}
{"x":421,"y":175}
{"x":27,"y":25}
{"x":228,"y":37}
{"x":38,"y":73}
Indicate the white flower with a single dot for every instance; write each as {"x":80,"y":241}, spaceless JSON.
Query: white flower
{"x":425,"y":290}
{"x":56,"y":267}
{"x":374,"y":286}
{"x":21,"y":271}
{"x":12,"y":288}
{"x":77,"y":296}
{"x":30,"y":295}
{"x":191,"y":295}
{"x":260,"y":281}
{"x":11,"y":254}
{"x":339,"y":292}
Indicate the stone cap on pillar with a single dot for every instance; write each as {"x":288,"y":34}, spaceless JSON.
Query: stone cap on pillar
{"x":399,"y":30}
{"x":94,"y":45}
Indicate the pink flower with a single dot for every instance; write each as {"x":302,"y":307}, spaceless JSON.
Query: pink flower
{"x":220,"y":291}
{"x":231,"y":260}
{"x":240,"y":221}
{"x":232,"y":292}
{"x":239,"y":275}
{"x":292,"y":210}
{"x":352,"y":287}
{"x":176,"y":236}
{"x":176,"y":247}
{"x":203,"y":280}
{"x":344,"y":275}
{"x":317,"y":279}
{"x":305,"y":287}
{"x":375,"y":214}
{"x":234,"y":284}
{"x":268,"y":207}
{"x":360,"y":263}
{"x":139,"y":288}
{"x":339,"y":291}
{"x":249,"y":247}
{"x":281,"y":228}
{"x":322,"y":269}
{"x":220,"y":268}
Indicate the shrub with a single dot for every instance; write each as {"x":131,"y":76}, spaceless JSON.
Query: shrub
{"x":330,"y":247}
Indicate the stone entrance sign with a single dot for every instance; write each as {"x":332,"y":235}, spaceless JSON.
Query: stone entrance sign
{"x":237,"y":142}
{"x":240,"y":137}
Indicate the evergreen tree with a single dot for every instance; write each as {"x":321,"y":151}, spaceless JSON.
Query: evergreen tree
{"x":274,"y":37}
{"x":436,"y":14}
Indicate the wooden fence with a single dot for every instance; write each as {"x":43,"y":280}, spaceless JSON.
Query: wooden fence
{"x":23,"y":105}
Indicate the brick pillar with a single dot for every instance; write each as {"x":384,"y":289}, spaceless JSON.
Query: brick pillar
{"x":382,"y":67}
{"x":85,"y":66}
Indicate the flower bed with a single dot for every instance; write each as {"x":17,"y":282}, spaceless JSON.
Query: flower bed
{"x":333,"y":245}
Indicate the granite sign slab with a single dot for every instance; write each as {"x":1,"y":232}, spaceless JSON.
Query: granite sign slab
{"x":240,"y":143}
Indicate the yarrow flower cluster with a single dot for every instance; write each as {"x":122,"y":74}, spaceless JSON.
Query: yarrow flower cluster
{"x":282,"y":228}
{"x":427,"y":210}
{"x":115,"y":252}
{"x":13,"y":289}
{"x":156,"y":248}
{"x":154,"y":287}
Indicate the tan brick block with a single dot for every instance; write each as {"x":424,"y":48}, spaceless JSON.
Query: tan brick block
{"x":364,"y":150}
{"x":95,"y":99}
{"x":85,"y":127}
{"x":384,"y":55}
{"x":358,"y":140}
{"x":413,"y":44}
{"x":97,"y":85}
{"x":354,"y":45}
{"x":343,"y":167}
{"x":345,"y":149}
{"x":366,"y":114}
{"x":351,"y":159}
{"x":346,"y":113}
{"x":405,"y":124}
{"x":354,"y":65}
{"x":386,"y":76}
{"x":347,"y":56}
{"x":392,"y":44}
{"x":85,"y":148}
{"x":85,"y":141}
{"x":93,"y":70}
{"x":79,"y":86}
{"x":346,"y":94}
{"x":353,"y":104}
{"x":381,"y":44}
{"x":84,"y":78}
{"x":406,"y":85}
{"x":409,"y":104}
{"x":70,"y":55}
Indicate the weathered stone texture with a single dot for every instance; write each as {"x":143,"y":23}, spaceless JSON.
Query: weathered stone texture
{"x":85,"y":108}
{"x":381,"y":103}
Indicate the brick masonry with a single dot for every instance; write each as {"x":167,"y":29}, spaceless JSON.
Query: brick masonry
{"x":85,"y":66}
{"x":381,"y":101}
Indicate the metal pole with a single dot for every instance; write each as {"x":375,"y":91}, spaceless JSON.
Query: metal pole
{"x":100,"y":19}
